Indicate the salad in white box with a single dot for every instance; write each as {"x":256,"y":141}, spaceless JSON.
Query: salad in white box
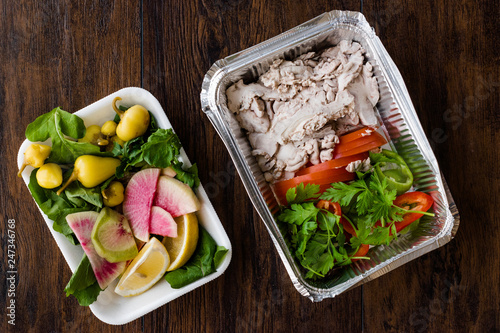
{"x":121,"y":191}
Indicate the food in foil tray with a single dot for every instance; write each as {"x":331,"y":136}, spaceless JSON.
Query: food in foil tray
{"x":312,"y":126}
{"x":296,"y":111}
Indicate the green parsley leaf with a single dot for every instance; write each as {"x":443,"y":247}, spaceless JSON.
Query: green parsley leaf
{"x":365,"y":201}
{"x":298,"y":213}
{"x":302,"y":193}
{"x":340,"y":255}
{"x":363,"y":227}
{"x":317,"y":257}
{"x":293,"y":230}
{"x":378,"y":236}
{"x":318,"y":241}
{"x":328,"y":222}
{"x":343,"y":193}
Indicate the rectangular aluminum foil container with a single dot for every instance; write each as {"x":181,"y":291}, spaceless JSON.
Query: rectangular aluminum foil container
{"x":400,"y":123}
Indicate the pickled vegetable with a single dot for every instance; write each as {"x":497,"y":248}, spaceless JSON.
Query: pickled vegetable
{"x":133,"y":123}
{"x":114,"y":194}
{"x":92,"y":170}
{"x":109,"y":128}
{"x":35,"y":155}
{"x":92,"y":135}
{"x":49,"y":176}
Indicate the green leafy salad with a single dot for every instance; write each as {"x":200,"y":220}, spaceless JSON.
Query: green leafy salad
{"x":333,"y":228}
{"x":116,"y":189}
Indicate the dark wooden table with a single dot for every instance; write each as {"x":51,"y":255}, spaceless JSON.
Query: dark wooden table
{"x":72,"y":53}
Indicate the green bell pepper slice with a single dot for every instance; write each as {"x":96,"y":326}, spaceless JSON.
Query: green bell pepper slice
{"x":396,"y":172}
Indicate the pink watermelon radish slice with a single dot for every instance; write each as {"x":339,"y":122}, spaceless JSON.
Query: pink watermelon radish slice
{"x":82,"y":224}
{"x":168,"y":171}
{"x":139,"y":196}
{"x":175,"y":197}
{"x":162,"y":223}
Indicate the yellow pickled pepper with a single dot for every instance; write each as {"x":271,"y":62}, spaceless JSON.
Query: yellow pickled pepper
{"x":114,"y":194}
{"x":133,"y":123}
{"x":35,"y":155}
{"x":92,"y":170}
{"x":49,"y":176}
{"x":92,"y":135}
{"x":109,"y":128}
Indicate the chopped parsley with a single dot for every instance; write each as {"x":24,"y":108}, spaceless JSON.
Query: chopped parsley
{"x":316,"y":237}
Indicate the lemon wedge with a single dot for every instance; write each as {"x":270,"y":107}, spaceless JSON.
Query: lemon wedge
{"x":181,"y":248}
{"x":145,"y":270}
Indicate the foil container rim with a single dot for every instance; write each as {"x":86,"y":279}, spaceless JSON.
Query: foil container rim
{"x":329,"y":20}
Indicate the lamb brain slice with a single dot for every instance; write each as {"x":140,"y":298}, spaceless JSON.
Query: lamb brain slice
{"x":82,"y":224}
{"x":138,"y":201}
{"x":175,"y":197}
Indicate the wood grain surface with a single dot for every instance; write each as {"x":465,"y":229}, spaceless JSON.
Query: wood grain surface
{"x":72,"y":53}
{"x":453,"y":75}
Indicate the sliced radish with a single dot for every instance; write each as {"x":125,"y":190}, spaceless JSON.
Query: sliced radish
{"x":162,"y":223}
{"x":139,"y":196}
{"x":82,"y":224}
{"x":175,"y":197}
{"x":168,"y":171}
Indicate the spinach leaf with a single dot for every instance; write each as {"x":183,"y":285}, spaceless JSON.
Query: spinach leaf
{"x":130,"y":155}
{"x":219,"y":255}
{"x":132,"y":151}
{"x":161,"y":148}
{"x":153,"y":125}
{"x":187,"y":176}
{"x":88,"y":295}
{"x":58,"y":125}
{"x":201,"y":264}
{"x":83,"y":284}
{"x":80,"y":195}
{"x":56,"y":207}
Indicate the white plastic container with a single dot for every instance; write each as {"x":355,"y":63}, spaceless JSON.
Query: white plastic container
{"x":110,"y":307}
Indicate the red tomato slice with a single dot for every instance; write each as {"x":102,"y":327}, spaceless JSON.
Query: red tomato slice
{"x":332,"y":207}
{"x":361,"y":141}
{"x":365,"y":131}
{"x":412,"y":201}
{"x":362,"y":251}
{"x":323,"y":178}
{"x":316,"y":178}
{"x":360,"y":145}
{"x":347,"y":226}
{"x":332,"y":164}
